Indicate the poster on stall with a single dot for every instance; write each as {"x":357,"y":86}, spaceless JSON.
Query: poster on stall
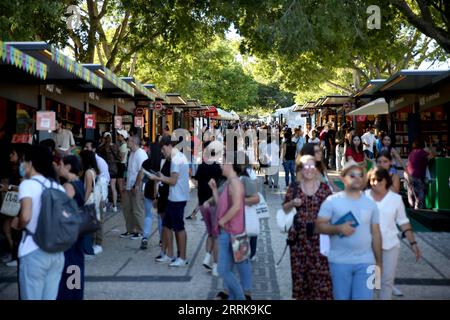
{"x":89,"y":121}
{"x":45,"y":120}
{"x":22,"y":138}
{"x":139,"y":122}
{"x":118,"y":122}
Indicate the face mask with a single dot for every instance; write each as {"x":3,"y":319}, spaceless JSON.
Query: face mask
{"x":22,"y":169}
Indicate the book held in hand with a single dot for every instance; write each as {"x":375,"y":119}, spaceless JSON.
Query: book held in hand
{"x":345,"y":218}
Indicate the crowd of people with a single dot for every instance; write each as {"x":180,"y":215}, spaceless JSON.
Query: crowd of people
{"x":223,"y":163}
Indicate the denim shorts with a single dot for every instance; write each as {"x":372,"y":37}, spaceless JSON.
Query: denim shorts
{"x":174,"y":217}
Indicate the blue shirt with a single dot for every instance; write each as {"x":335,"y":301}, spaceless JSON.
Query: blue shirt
{"x":356,"y":248}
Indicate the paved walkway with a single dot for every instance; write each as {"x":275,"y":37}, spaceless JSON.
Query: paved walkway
{"x":123,"y":271}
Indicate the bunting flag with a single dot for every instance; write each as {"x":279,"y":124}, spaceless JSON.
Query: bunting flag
{"x":15,"y":57}
{"x":75,"y":68}
{"x":144,"y":90}
{"x":111,"y":77}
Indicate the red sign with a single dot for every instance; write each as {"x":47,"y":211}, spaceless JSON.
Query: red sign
{"x":157,"y":105}
{"x":169,"y":112}
{"x":118,"y":122}
{"x":139,"y":111}
{"x":361,"y":118}
{"x":139,"y":122}
{"x":45,"y":120}
{"x":22,"y":138}
{"x":89,"y":121}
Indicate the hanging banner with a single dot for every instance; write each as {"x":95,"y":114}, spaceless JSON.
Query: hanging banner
{"x":15,"y":57}
{"x":119,"y":83}
{"x":139,"y":122}
{"x":89,"y":121}
{"x":45,"y":120}
{"x":118,"y":122}
{"x":75,"y":68}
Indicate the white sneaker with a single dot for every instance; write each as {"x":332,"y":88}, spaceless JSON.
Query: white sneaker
{"x":179,"y":263}
{"x":12,"y":263}
{"x":97,"y":249}
{"x":114,"y":209}
{"x":214,"y":270}
{"x":163,"y":259}
{"x":207,"y":261}
{"x":396,"y":292}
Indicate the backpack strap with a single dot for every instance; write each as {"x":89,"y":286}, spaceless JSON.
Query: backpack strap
{"x":41,"y":183}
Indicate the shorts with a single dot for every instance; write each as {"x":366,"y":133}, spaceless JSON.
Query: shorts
{"x":120,"y":171}
{"x":174,"y":217}
{"x":210,"y":219}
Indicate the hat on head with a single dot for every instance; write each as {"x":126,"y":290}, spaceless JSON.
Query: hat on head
{"x":350,"y":165}
{"x":123,"y":133}
{"x":106,"y":134}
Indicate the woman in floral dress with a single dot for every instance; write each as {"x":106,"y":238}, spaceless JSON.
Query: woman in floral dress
{"x":311,"y":278}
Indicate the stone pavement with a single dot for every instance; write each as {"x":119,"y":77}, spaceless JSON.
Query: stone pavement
{"x":123,"y":271}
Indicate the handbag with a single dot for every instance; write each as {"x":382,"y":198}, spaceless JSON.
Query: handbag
{"x":89,"y":222}
{"x":240,"y":245}
{"x":285,"y":220}
{"x":262,"y":210}
{"x":251,"y":221}
{"x":11,"y":204}
{"x":95,"y":197}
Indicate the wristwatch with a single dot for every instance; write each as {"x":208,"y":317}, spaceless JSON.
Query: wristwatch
{"x":413,"y":243}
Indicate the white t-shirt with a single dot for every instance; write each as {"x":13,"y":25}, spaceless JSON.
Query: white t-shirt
{"x":33,"y":189}
{"x":134,"y":166}
{"x":368,"y":138}
{"x":124,"y":150}
{"x":103,"y":168}
{"x":64,"y":140}
{"x":179,"y":164}
{"x":392,"y":212}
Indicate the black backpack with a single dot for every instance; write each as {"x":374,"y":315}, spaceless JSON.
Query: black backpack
{"x":59,"y":220}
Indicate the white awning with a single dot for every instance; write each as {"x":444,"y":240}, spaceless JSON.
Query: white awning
{"x":374,"y":107}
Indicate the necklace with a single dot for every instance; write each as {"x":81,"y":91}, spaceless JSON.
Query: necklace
{"x":311,"y":190}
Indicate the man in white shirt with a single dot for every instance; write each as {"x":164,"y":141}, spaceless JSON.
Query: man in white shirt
{"x":179,"y":194}
{"x":133,"y":201}
{"x":63,"y":138}
{"x":368,"y":139}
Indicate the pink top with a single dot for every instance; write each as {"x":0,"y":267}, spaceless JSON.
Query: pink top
{"x":236,"y":224}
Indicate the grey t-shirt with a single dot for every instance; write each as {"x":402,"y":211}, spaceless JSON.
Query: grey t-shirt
{"x":356,"y":248}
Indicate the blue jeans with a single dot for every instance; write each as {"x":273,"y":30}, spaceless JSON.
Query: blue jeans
{"x":225,"y":269}
{"x":350,"y":281}
{"x":289,"y":168}
{"x":369,"y":154}
{"x":39,"y":275}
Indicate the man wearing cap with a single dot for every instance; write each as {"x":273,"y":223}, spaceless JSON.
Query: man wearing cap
{"x":352,"y":221}
{"x":122,"y":136}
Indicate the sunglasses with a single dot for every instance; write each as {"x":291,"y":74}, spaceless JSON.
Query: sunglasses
{"x":309,"y":166}
{"x":355,"y":174}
